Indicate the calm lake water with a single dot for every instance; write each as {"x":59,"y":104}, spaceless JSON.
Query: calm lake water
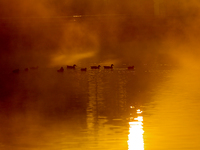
{"x":119,"y":109}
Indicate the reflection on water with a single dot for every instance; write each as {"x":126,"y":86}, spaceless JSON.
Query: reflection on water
{"x":115,"y":109}
{"x":135,"y":137}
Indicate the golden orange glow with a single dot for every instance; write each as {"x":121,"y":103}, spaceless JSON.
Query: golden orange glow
{"x":77,"y":16}
{"x":135,"y":137}
{"x":63,"y":59}
{"x":138,"y":111}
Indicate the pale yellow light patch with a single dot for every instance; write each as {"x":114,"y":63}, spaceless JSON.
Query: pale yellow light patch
{"x":135,"y":137}
{"x":63,"y":59}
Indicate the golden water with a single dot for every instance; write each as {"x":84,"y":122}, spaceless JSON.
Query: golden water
{"x":97,"y":109}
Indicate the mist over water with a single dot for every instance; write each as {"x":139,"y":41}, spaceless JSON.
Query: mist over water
{"x":156,"y":103}
{"x":50,"y":33}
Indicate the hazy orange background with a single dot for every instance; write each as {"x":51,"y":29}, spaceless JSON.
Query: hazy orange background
{"x":45,"y":33}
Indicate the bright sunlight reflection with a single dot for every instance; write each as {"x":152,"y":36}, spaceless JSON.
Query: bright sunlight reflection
{"x":135,"y":137}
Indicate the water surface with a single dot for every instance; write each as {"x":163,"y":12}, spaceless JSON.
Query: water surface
{"x":115,"y":109}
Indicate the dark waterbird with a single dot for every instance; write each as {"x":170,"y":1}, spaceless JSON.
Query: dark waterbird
{"x":34,"y":68}
{"x":131,"y":67}
{"x":95,"y":67}
{"x":109,"y":67}
{"x":16,"y":71}
{"x":83,"y":69}
{"x":71,"y":67}
{"x":61,"y":69}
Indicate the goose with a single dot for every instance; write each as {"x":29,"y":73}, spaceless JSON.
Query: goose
{"x":108,"y":67}
{"x":83,"y":69}
{"x":95,"y":67}
{"x":131,"y":67}
{"x":34,"y":68}
{"x":16,"y":71}
{"x":61,"y":69}
{"x":71,"y":67}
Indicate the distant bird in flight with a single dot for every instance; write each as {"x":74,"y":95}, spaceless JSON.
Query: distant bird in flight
{"x":95,"y":67}
{"x":109,"y":67}
{"x":71,"y":67}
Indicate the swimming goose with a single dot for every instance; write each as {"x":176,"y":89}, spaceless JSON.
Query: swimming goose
{"x":34,"y":68}
{"x":131,"y":67}
{"x":61,"y":69}
{"x":108,"y":67}
{"x":71,"y":67}
{"x":95,"y":67}
{"x":16,"y":71}
{"x":83,"y":69}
